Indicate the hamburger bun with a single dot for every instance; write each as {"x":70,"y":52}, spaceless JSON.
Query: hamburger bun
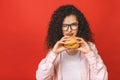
{"x":71,"y":43}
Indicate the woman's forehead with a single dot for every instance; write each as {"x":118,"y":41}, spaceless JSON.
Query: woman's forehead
{"x":70,"y":19}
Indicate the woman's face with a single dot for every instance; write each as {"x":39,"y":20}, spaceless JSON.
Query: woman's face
{"x":70,"y":26}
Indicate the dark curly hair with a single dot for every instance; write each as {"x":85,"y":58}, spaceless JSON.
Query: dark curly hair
{"x":55,"y":26}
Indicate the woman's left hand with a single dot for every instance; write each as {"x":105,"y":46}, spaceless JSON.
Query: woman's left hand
{"x":84,"y":46}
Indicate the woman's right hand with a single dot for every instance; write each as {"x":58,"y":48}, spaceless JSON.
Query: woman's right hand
{"x":59,"y":46}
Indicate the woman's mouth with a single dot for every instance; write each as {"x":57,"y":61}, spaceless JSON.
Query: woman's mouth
{"x":69,"y":34}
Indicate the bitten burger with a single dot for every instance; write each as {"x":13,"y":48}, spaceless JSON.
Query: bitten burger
{"x":71,"y":43}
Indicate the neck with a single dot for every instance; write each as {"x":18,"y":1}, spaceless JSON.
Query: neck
{"x":71,"y":51}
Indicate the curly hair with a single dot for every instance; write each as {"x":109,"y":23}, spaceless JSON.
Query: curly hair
{"x":55,"y":25}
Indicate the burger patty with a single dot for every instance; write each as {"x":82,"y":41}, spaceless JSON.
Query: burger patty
{"x":70,"y":44}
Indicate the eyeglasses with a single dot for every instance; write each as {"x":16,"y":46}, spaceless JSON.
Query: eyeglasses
{"x":72,"y":26}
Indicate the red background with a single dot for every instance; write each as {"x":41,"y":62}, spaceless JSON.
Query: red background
{"x":23,"y":28}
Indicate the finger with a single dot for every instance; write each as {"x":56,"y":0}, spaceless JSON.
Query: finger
{"x":79,"y":38}
{"x":65,"y":37}
{"x":79,"y":42}
{"x":64,"y":40}
{"x":60,"y":42}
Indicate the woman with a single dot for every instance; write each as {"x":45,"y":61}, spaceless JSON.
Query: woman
{"x":61,"y":63}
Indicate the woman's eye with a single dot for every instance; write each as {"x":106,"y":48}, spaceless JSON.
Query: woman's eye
{"x":64,"y":25}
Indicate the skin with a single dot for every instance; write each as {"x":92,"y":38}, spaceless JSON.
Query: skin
{"x":58,"y":47}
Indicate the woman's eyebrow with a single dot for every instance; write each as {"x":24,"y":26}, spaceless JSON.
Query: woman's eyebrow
{"x":70,"y":23}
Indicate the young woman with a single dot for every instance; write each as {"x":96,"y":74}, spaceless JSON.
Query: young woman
{"x":61,"y":63}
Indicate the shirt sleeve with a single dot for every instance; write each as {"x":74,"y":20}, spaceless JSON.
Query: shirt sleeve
{"x":45,"y":69}
{"x":98,"y":70}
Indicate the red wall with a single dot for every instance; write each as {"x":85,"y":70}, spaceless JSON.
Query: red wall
{"x":23,"y":27}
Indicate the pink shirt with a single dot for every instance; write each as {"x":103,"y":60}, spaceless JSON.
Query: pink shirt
{"x":70,"y":66}
{"x":92,"y":67}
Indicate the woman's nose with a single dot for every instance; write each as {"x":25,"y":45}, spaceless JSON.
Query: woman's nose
{"x":69,"y":28}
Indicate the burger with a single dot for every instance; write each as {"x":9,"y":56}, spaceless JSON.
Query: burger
{"x":71,"y":43}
